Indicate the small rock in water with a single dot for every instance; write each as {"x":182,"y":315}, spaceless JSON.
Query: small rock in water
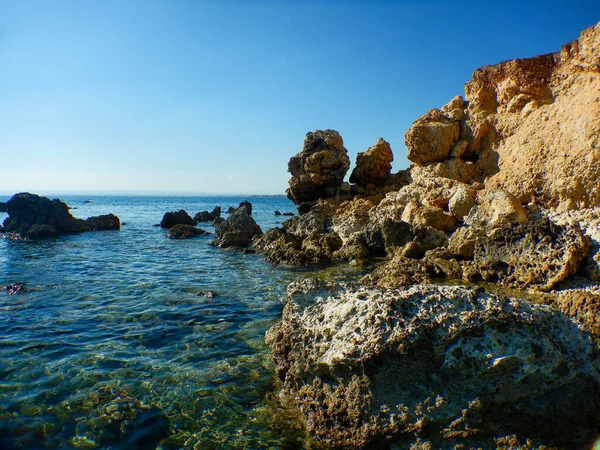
{"x":185,"y":231}
{"x":16,"y":288}
{"x":208,"y":294}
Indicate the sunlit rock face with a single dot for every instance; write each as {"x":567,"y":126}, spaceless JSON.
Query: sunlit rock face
{"x":319,"y":169}
{"x":431,"y":364}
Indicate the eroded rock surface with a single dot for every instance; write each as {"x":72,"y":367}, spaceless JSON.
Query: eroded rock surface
{"x":436,"y":365}
{"x":319,"y":169}
{"x":374,"y":166}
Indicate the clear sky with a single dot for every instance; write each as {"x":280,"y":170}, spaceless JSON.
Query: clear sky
{"x":216,"y":96}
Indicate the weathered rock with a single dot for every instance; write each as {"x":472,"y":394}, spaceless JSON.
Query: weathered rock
{"x":373,"y":167}
{"x":181,"y":217}
{"x":538,"y":254}
{"x":431,"y":137}
{"x":436,"y":366}
{"x":105,"y":222}
{"x":33,"y":217}
{"x":461,"y":202}
{"x":185,"y":231}
{"x":494,"y":209}
{"x":205,"y":216}
{"x":247,"y":205}
{"x":318,"y":171}
{"x":238,"y":230}
{"x":428,"y":216}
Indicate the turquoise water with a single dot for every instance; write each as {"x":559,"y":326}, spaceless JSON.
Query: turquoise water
{"x":116,"y":334}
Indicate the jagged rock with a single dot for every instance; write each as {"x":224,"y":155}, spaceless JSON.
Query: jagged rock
{"x":217,"y":221}
{"x":431,"y":137}
{"x":181,"y":231}
{"x":318,"y":171}
{"x":494,"y":209}
{"x":538,"y":254}
{"x":247,"y":205}
{"x":205,"y":216}
{"x":373,"y":167}
{"x":181,"y":217}
{"x":443,"y":366}
{"x":231,"y":210}
{"x":238,"y":230}
{"x":33,"y":217}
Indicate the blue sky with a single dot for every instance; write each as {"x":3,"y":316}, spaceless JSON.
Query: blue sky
{"x":216,"y":96}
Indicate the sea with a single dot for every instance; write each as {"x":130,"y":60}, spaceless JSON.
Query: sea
{"x":130,"y":340}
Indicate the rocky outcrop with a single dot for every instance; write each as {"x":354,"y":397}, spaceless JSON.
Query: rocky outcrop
{"x":431,"y":137}
{"x":435,"y":366}
{"x":246,"y":204}
{"x":238,"y":230}
{"x":374,"y":166}
{"x":181,"y":217}
{"x":319,"y":169}
{"x":33,"y":217}
{"x":185,"y":231}
{"x":205,"y":216}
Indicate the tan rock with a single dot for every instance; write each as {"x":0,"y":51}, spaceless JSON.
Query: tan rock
{"x":461,"y":202}
{"x":431,"y":137}
{"x":494,"y":209}
{"x":373,"y":166}
{"x":428,"y":216}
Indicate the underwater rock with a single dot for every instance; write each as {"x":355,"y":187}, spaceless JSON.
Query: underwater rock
{"x":184,"y":232}
{"x":35,"y":217}
{"x":15,"y":288}
{"x":368,"y":368}
{"x":173,"y":218}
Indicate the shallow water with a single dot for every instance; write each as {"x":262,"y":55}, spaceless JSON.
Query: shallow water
{"x":117,"y":346}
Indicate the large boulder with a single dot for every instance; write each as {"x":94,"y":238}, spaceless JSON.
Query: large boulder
{"x":319,"y":169}
{"x":373,"y":167}
{"x":238,"y":230}
{"x":172,"y":218}
{"x":33,"y":217}
{"x":431,"y":137}
{"x":434,"y":366}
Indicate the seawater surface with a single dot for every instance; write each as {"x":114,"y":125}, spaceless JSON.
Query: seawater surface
{"x":117,"y":345}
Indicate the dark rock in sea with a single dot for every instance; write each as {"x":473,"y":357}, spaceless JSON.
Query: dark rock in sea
{"x":279,"y":213}
{"x":180,"y":217}
{"x":185,"y":231}
{"x":238,"y":230}
{"x":16,"y":288}
{"x":88,"y":201}
{"x":318,"y":170}
{"x":105,"y":222}
{"x":205,"y":216}
{"x":2,"y":207}
{"x":438,"y":366}
{"x":34,"y":217}
{"x":248,"y":206}
{"x":230,"y":210}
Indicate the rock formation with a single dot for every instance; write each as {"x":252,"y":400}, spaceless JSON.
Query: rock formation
{"x":181,"y":217}
{"x":434,"y":365}
{"x":205,"y":216}
{"x":238,"y":230}
{"x":319,"y":169}
{"x":181,"y":231}
{"x":374,"y":166}
{"x":33,"y":217}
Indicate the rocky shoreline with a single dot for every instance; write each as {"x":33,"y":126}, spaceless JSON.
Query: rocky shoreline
{"x":481,"y":328}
